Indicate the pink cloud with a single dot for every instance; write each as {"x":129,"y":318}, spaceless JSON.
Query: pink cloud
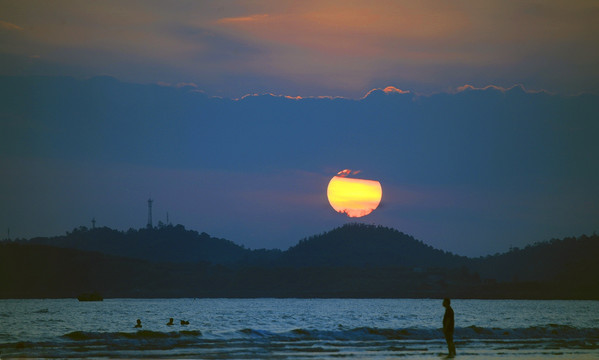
{"x":393,"y":89}
{"x":290,"y":97}
{"x":388,"y":90}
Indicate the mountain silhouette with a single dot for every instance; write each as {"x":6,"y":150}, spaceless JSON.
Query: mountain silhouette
{"x":354,"y":260}
{"x":356,"y":245}
{"x":165,"y":243}
{"x":570,"y":259}
{"x":367,"y":245}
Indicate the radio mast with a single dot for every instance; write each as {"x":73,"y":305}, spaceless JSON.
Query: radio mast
{"x":150,"y":201}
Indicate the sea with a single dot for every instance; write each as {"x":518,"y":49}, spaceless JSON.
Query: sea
{"x":296,"y":329}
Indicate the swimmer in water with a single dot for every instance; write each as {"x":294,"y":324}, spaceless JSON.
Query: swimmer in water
{"x":138,"y":323}
{"x":183,"y":322}
{"x":170,"y":322}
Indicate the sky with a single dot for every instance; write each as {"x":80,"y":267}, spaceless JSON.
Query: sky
{"x":479,"y":118}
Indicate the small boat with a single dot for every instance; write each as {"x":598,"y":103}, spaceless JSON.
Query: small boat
{"x":95,"y":296}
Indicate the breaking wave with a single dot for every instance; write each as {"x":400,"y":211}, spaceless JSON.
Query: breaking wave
{"x":550,"y":331}
{"x":141,"y":334}
{"x":125,"y":344}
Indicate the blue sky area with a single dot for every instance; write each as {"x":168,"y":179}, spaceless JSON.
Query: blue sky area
{"x":480,"y":119}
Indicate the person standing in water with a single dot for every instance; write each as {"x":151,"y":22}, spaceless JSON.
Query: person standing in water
{"x":448,"y":325}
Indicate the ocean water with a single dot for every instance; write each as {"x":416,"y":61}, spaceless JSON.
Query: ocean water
{"x":296,"y":328}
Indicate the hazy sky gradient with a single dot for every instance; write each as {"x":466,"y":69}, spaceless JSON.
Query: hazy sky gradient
{"x":308,"y":48}
{"x":468,"y":161}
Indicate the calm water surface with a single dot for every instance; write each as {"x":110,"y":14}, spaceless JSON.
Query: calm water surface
{"x":294,"y":328}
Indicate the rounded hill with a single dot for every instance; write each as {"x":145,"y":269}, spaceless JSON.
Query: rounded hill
{"x":360,"y":245}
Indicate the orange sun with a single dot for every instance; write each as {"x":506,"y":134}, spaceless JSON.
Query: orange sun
{"x":353,"y":197}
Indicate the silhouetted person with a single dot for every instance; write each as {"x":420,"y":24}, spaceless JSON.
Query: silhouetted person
{"x":170,"y":322}
{"x":138,"y":323}
{"x":448,"y":325}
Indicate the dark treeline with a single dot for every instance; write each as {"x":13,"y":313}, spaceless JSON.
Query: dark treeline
{"x":355,"y":260}
{"x":350,"y":245}
{"x":164,"y":243}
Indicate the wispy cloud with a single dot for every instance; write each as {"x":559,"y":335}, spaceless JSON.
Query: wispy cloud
{"x":9,"y":26}
{"x":243,"y":19}
{"x":468,"y":87}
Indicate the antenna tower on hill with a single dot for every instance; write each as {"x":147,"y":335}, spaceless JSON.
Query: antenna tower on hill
{"x":150,"y":201}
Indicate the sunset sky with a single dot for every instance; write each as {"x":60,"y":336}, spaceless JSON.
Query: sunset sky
{"x":479,"y":118}
{"x":308,"y":48}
